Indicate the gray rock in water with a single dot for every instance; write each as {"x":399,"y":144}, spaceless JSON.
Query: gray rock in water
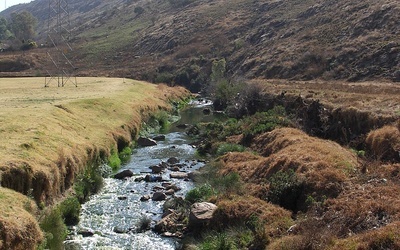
{"x":170,"y":192}
{"x":146,"y":142}
{"x":173,"y":160}
{"x":152,"y":178}
{"x":123,"y":174}
{"x":145,"y":198}
{"x":159,"y":138}
{"x":182,"y":126}
{"x":156,"y":169}
{"x":159,"y":196}
{"x":201,"y":213}
{"x":179,"y":175}
{"x":85,"y":232}
{"x":120,"y":230}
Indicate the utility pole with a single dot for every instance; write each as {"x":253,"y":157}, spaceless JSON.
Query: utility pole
{"x":61,"y":68}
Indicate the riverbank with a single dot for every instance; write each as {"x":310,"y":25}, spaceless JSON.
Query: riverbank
{"x":49,"y":135}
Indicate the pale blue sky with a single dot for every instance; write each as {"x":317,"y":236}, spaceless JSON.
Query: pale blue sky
{"x":11,"y":2}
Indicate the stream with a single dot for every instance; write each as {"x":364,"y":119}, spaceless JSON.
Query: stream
{"x":110,"y":218}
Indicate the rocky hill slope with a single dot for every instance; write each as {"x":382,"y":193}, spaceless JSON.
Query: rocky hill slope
{"x":176,"y":41}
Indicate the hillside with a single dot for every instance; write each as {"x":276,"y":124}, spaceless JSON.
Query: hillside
{"x":176,"y":41}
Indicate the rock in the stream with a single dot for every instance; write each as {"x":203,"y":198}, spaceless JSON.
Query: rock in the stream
{"x":170,"y":192}
{"x":159,"y":196}
{"x":123,"y":174}
{"x":85,"y":232}
{"x":194,"y":174}
{"x":173,"y":160}
{"x":201,"y":213}
{"x":145,"y":198}
{"x":172,"y":186}
{"x":122,"y":198}
{"x":152,"y":178}
{"x":120,"y":230}
{"x":139,"y":179}
{"x":175,"y":169}
{"x":182,"y":126}
{"x":156,"y":169}
{"x":159,"y":138}
{"x":179,"y":175}
{"x":146,"y":142}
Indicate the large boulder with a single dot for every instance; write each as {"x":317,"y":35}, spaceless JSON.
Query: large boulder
{"x":179,"y":175}
{"x":158,"y":196}
{"x":201,"y":213}
{"x":123,"y":174}
{"x":146,"y":142}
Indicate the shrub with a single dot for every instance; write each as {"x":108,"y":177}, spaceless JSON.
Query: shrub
{"x":138,"y":10}
{"x":164,"y":77}
{"x":125,"y":155}
{"x":143,"y":224}
{"x":114,"y":161}
{"x":227,"y":184}
{"x":229,"y":147}
{"x":55,"y":230}
{"x":88,"y":183}
{"x":218,"y":242}
{"x":285,"y":189}
{"x":199,"y":194}
{"x":70,"y":209}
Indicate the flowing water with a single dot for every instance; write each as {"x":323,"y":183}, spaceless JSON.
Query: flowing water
{"x":109,"y":219}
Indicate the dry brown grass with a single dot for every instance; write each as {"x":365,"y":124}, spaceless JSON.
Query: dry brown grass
{"x":242,"y":209}
{"x":324,"y":165}
{"x":380,"y":99}
{"x":18,"y":226}
{"x":384,"y":143}
{"x":387,"y":237}
{"x":49,"y":135}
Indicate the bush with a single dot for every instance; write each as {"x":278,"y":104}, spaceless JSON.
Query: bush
{"x":164,"y":77}
{"x":218,"y":242}
{"x":229,"y":147}
{"x":143,"y":224}
{"x":285,"y":189}
{"x":138,"y":10}
{"x":55,"y":230}
{"x":29,"y":45}
{"x":88,"y":183}
{"x":125,"y":155}
{"x":199,"y":194}
{"x":114,"y":161}
{"x":70,"y":209}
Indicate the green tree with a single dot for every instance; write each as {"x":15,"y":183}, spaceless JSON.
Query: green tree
{"x":4,"y":32}
{"x":23,"y":25}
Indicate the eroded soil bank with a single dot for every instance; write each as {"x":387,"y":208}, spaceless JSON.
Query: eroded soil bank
{"x":50,"y":135}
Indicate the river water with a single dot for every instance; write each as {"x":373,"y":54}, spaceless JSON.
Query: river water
{"x":112,"y":216}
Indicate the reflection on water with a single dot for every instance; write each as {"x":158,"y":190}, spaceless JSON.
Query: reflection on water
{"x":113,"y":214}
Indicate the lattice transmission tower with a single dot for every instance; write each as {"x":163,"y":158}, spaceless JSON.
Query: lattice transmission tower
{"x":60,"y":69}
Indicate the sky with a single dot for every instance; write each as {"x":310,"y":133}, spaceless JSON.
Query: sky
{"x":10,"y":3}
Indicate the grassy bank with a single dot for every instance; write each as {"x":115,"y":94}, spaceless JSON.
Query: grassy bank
{"x":49,"y":135}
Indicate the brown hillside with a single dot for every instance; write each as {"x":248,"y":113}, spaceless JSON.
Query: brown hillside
{"x":172,"y":42}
